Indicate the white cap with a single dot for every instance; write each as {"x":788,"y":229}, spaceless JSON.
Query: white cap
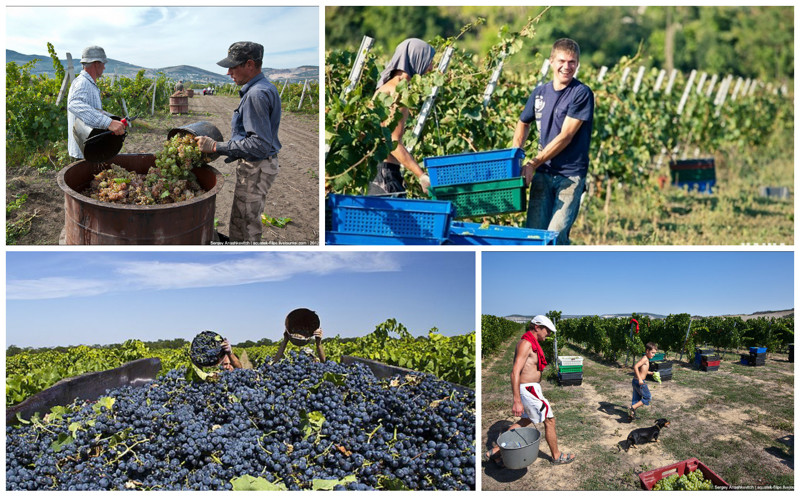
{"x":543,"y":321}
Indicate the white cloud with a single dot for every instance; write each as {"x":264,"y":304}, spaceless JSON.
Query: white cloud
{"x":155,"y":275}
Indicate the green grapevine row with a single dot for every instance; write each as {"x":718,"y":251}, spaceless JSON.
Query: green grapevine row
{"x":631,"y":129}
{"x":448,"y":358}
{"x":611,"y":337}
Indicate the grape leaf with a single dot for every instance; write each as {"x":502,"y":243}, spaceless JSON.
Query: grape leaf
{"x":250,"y":483}
{"x":329,"y":484}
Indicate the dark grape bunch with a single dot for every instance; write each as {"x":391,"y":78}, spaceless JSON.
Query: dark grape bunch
{"x":297,"y":424}
{"x":691,"y":481}
{"x":206,"y":349}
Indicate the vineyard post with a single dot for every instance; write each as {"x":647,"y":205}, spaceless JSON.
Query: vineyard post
{"x":723,"y":93}
{"x":543,"y":72}
{"x":355,"y":74}
{"x":700,"y":83}
{"x":736,"y":89}
{"x":659,"y":80}
{"x":303,"y":94}
{"x":602,"y":74}
{"x":628,"y":354}
{"x":686,"y":339}
{"x":68,"y":77}
{"x":686,"y":91}
{"x":638,"y":83}
{"x":285,"y":83}
{"x":671,"y":81}
{"x":711,"y":85}
{"x":153,"y":87}
{"x":625,"y":73}
{"x":358,"y":65}
{"x":753,"y":86}
{"x":746,"y":86}
{"x":487,"y":93}
{"x":428,"y":105}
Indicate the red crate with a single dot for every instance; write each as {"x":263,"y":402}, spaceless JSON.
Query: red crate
{"x":712,"y":364}
{"x":650,"y":478}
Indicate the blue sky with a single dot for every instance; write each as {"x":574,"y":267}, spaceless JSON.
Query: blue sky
{"x":593,"y":283}
{"x":68,"y":298}
{"x":156,"y":37}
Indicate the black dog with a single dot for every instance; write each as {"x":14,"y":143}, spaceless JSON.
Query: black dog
{"x":644,"y":435}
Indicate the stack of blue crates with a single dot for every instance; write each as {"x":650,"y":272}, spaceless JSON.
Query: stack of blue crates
{"x":756,"y":357}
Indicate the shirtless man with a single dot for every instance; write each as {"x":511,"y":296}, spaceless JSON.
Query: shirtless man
{"x":529,"y":402}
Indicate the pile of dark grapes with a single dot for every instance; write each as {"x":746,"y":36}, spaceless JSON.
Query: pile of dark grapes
{"x":293,"y":424}
{"x":206,"y":349}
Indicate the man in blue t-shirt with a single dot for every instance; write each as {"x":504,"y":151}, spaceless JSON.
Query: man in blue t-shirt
{"x":563,"y":110}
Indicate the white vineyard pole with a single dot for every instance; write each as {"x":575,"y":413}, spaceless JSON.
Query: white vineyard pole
{"x":638,"y":83}
{"x":711,"y":85}
{"x":487,"y":93}
{"x":700,"y":83}
{"x":303,"y":94}
{"x":355,"y":73}
{"x":602,"y":74}
{"x":671,"y":81}
{"x":659,"y":80}
{"x":428,"y":105}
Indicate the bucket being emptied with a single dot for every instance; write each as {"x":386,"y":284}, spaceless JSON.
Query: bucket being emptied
{"x":301,"y":323}
{"x":519,"y":447}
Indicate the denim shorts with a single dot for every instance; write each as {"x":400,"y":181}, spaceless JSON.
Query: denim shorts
{"x":554,"y":202}
{"x":640,"y":392}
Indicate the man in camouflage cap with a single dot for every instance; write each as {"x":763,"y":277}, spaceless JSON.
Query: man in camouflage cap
{"x":84,"y":101}
{"x":254,"y":140}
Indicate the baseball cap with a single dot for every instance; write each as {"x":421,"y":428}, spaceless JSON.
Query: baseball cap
{"x":240,"y":52}
{"x":93,"y":53}
{"x":544,"y":321}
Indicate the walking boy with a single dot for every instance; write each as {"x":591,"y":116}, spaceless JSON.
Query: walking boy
{"x":641,"y":393}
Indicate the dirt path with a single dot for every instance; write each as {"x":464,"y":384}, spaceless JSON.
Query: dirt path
{"x":591,"y":420}
{"x":294,"y":194}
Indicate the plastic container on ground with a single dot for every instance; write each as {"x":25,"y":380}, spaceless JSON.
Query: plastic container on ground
{"x":371,"y":220}
{"x":90,"y":222}
{"x":484,"y":198}
{"x":649,"y":479}
{"x":468,"y":233}
{"x":519,"y":447}
{"x":568,"y":376}
{"x":756,"y":349}
{"x":474,"y":167}
{"x":570,"y":360}
{"x":566,"y":369}
{"x":658,"y":357}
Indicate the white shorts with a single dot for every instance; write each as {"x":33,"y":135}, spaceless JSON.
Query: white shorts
{"x":536,"y":406}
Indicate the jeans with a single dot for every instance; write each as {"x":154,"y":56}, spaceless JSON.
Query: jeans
{"x":641,"y":392}
{"x":554,"y":203}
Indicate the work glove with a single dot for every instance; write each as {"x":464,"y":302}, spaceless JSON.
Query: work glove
{"x":206,"y":144}
{"x":425,"y":182}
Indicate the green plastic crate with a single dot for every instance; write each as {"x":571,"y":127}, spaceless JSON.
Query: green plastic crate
{"x":658,"y":357}
{"x":484,"y":198}
{"x":568,"y":369}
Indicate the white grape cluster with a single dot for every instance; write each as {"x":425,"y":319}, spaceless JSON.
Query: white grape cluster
{"x":692,"y":481}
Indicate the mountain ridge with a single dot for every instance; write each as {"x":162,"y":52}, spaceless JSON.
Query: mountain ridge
{"x":178,"y":72}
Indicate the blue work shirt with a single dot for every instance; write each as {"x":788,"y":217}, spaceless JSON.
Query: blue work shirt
{"x":254,"y":126}
{"x":549,"y":108}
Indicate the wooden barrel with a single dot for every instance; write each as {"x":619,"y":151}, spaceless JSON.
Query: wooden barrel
{"x":191,"y":93}
{"x":179,"y":104}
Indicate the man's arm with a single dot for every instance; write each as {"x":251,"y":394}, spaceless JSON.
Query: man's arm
{"x":281,"y":349}
{"x":520,"y":357}
{"x":256,"y":111}
{"x":557,"y":145}
{"x":520,"y":134}
{"x":318,"y":341}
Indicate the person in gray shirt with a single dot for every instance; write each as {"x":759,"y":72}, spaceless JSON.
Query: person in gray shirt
{"x":254,"y":140}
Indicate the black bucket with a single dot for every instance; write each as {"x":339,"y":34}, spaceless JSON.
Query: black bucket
{"x":302,"y":321}
{"x":201,"y":128}
{"x":98,"y":145}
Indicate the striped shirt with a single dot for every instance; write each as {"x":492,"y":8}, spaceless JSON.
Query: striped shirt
{"x":84,"y":103}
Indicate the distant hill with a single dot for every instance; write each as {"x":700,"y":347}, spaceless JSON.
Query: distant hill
{"x":180,"y":72}
{"x":772,"y":314}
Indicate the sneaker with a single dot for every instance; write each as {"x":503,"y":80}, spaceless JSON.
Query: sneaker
{"x":631,"y":414}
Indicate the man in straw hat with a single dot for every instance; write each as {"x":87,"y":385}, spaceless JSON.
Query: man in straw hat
{"x":529,"y":402}
{"x":254,"y":140}
{"x":84,"y":99}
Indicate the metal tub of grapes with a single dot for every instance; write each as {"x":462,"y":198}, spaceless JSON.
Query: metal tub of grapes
{"x":142,"y":199}
{"x":519,"y":447}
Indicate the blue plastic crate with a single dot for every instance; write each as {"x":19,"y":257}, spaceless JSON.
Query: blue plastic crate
{"x":756,"y":349}
{"x":370,"y":220}
{"x":468,"y":233}
{"x":474,"y":167}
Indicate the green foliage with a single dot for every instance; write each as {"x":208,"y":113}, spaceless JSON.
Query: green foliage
{"x":494,"y":331}
{"x":448,"y":358}
{"x":291,"y":94}
{"x":611,"y":337}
